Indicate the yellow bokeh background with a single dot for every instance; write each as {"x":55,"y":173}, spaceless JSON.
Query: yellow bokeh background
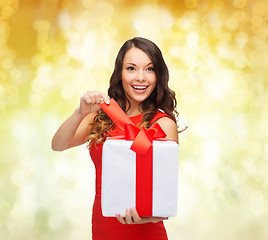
{"x":52,"y":51}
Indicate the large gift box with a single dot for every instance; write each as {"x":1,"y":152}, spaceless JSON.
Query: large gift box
{"x":139,"y":169}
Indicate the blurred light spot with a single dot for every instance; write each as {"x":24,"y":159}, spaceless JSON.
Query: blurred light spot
{"x":55,"y":221}
{"x":241,"y":39}
{"x":211,"y":152}
{"x":190,"y":3}
{"x":192,"y":39}
{"x":80,"y":24}
{"x":43,"y":78}
{"x":64,"y":20}
{"x":35,"y":99}
{"x":232,"y":23}
{"x":13,"y":99}
{"x":63,"y":60}
{"x":7,"y":63}
{"x":7,"y":12}
{"x":13,"y":90}
{"x":37,"y":60}
{"x":3,"y":31}
{"x":166,"y":20}
{"x":90,"y":40}
{"x":4,"y":206}
{"x":19,"y":177}
{"x":214,"y":20}
{"x":225,"y":51}
{"x":66,"y":93}
{"x":226,"y":37}
{"x":239,"y":126}
{"x":240,"y":15}
{"x":188,"y":20}
{"x":259,"y":8}
{"x":218,"y":85}
{"x":88,"y":3}
{"x":218,"y":5}
{"x":22,"y":131}
{"x":147,"y":17}
{"x":174,"y":51}
{"x":239,"y":3}
{"x":41,"y":25}
{"x":206,"y":126}
{"x":241,"y":60}
{"x":15,"y":73}
{"x":67,"y":4}
{"x":256,"y":20}
{"x":2,"y":90}
{"x":266,"y":153}
{"x":257,"y":203}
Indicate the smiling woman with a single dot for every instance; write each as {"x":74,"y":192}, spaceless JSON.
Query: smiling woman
{"x":139,"y":84}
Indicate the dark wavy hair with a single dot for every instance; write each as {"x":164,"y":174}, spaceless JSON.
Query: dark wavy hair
{"x":162,"y":97}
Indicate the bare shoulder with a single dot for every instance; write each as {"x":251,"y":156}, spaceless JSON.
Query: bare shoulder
{"x":169,"y":127}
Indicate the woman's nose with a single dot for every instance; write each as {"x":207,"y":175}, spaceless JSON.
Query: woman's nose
{"x":140,"y":76}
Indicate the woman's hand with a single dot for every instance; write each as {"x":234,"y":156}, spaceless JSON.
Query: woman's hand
{"x":132,"y":217}
{"x":90,"y":102}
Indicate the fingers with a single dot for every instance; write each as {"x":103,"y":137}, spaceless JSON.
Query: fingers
{"x":135,"y":216}
{"x":105,"y":98}
{"x":128,"y":217}
{"x":120,"y":218}
{"x":157,"y":219}
{"x":86,"y":98}
{"x":95,"y":97}
{"x":131,"y":217}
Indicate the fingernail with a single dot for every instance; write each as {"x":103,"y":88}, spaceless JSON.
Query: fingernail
{"x":107,"y":102}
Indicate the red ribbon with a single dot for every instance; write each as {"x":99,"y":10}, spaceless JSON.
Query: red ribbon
{"x":142,"y":138}
{"x":143,"y":146}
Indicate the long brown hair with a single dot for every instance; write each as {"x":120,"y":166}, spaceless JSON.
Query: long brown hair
{"x":162,"y":97}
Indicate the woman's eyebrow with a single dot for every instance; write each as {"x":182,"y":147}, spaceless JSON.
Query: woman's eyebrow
{"x":135,"y":64}
{"x":130,"y":64}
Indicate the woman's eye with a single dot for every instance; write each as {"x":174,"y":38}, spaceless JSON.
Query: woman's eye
{"x":150,"y":69}
{"x":131,"y":68}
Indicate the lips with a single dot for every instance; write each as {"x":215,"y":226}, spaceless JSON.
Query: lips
{"x":139,"y":87}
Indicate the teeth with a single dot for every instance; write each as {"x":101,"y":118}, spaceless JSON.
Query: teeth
{"x":139,"y":87}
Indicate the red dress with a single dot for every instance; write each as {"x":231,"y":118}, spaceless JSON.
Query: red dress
{"x":109,"y":228}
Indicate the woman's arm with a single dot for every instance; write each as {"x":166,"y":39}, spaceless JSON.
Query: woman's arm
{"x":76,"y":128}
{"x":72,"y":132}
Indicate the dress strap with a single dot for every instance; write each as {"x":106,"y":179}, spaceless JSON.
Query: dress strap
{"x":159,"y":115}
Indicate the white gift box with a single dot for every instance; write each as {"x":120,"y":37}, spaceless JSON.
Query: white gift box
{"x":119,"y":177}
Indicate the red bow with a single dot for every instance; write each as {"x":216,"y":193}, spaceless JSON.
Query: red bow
{"x":142,"y":138}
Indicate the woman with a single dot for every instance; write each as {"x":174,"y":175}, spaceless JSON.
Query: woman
{"x":139,"y":84}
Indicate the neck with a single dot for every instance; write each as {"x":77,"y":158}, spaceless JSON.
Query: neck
{"x":133,"y":110}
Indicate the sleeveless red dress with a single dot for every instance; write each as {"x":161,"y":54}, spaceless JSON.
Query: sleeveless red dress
{"x":109,"y":228}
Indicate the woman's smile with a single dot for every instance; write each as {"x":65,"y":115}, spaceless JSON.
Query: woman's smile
{"x":139,"y":88}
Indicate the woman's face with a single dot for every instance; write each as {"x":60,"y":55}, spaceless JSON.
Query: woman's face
{"x":138,"y":76}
